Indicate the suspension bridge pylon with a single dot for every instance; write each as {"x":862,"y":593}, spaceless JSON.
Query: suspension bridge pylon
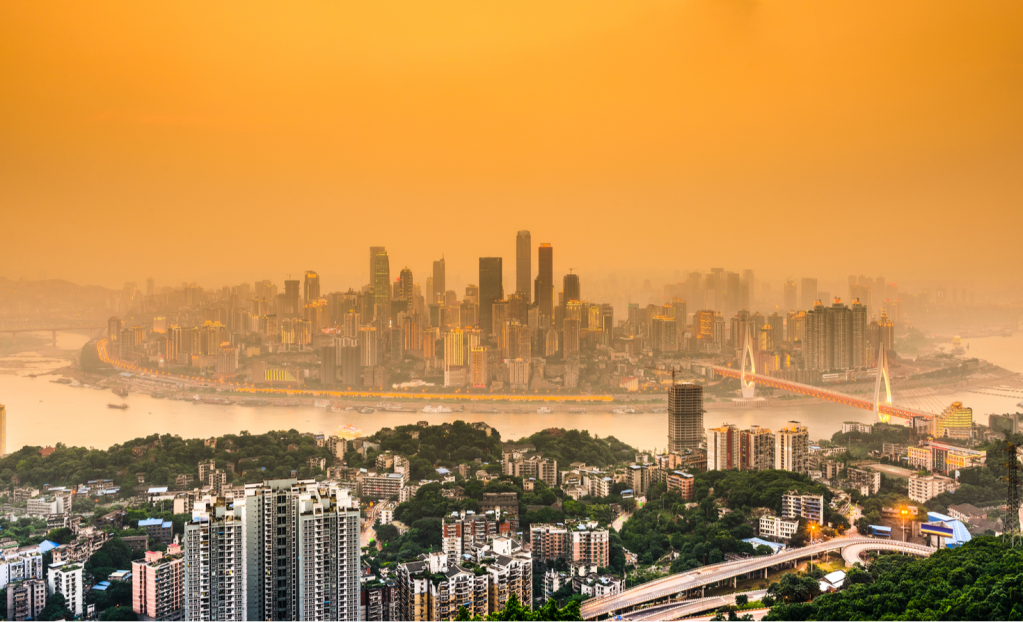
{"x":748,"y":388}
{"x":882,"y":371}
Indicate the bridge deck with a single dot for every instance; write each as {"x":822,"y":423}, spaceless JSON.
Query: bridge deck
{"x":832,"y":396}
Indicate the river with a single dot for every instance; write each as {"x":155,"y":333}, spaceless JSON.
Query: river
{"x":42,"y":413}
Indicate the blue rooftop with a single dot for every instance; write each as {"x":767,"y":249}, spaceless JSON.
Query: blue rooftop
{"x":151,"y":522}
{"x":442,"y":471}
{"x":155,"y":490}
{"x":47,"y":545}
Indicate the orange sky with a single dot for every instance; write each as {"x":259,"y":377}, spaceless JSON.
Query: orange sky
{"x":232,"y":141}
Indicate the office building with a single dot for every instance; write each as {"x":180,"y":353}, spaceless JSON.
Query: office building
{"x":491,"y":284}
{"x":369,"y":348}
{"x":26,"y":599}
{"x":158,"y":585}
{"x":796,"y":505}
{"x":544,"y":283}
{"x":792,"y":448}
{"x":406,"y":286}
{"x":382,"y":287}
{"x":523,"y":265}
{"x":956,"y":421}
{"x":724,"y":448}
{"x":685,"y":417}
{"x":65,"y":579}
{"x":311,"y":287}
{"x":439,"y":276}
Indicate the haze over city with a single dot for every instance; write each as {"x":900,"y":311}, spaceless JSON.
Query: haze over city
{"x":527,"y":311}
{"x":638,"y":138}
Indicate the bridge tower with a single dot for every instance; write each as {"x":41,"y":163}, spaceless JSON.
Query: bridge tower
{"x":882,"y":371}
{"x":748,"y":388}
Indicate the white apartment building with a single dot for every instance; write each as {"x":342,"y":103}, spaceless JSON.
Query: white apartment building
{"x":922,"y":488}
{"x":20,"y":565}
{"x":66,"y":579}
{"x":810,"y":507}
{"x":778,"y":528}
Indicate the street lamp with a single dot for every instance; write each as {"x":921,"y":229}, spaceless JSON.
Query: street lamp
{"x":904,"y":512}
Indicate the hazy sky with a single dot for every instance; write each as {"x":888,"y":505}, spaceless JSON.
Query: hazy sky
{"x":231,"y":141}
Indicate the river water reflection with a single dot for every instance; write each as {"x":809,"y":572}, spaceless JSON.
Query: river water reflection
{"x":40,"y":412}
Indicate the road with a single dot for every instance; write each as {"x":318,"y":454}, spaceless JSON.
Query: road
{"x":682,"y":609}
{"x":708,"y":575}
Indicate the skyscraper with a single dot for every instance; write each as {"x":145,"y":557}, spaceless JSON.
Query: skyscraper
{"x":311,"y":289}
{"x":790,"y":295}
{"x":382,"y":286}
{"x":405,"y":284}
{"x":570,"y":287}
{"x":292,"y":307}
{"x":373,"y":252}
{"x":437,"y":295}
{"x":836,"y":337}
{"x":685,"y":417}
{"x":724,"y":448}
{"x":809,"y":294}
{"x":545,"y":281}
{"x":792,"y":448}
{"x":491,"y":290}
{"x":523,"y":264}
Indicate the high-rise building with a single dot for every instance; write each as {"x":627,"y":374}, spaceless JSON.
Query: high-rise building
{"x":328,"y":365}
{"x":545,"y":281}
{"x":756,"y":449}
{"x":349,"y":360}
{"x":113,"y":331}
{"x":685,"y":417}
{"x":382,"y":286}
{"x":809,"y":293}
{"x":373,"y":252}
{"x":311,"y":287}
{"x":369,"y":349}
{"x":835,"y":337}
{"x":158,"y":584}
{"x":65,"y":578}
{"x":454,"y":349}
{"x":523,"y":265}
{"x":478,"y":372}
{"x":570,"y":287}
{"x":795,"y":326}
{"x":406,"y":286}
{"x":288,"y":551}
{"x":292,"y":308}
{"x":26,"y":599}
{"x":570,"y":342}
{"x":792,"y":448}
{"x":437,"y":295}
{"x":724,"y":448}
{"x":789,"y":291}
{"x":491,"y":290}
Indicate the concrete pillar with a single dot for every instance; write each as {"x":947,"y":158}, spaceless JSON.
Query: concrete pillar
{"x":701,"y":590}
{"x":735,"y":582}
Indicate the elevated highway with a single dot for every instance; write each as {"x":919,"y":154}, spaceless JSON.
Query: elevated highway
{"x":682,"y":609}
{"x":698,"y":578}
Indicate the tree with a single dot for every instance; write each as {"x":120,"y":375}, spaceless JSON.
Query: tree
{"x":387,"y":533}
{"x":795,"y":588}
{"x":56,"y":608}
{"x":741,"y":600}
